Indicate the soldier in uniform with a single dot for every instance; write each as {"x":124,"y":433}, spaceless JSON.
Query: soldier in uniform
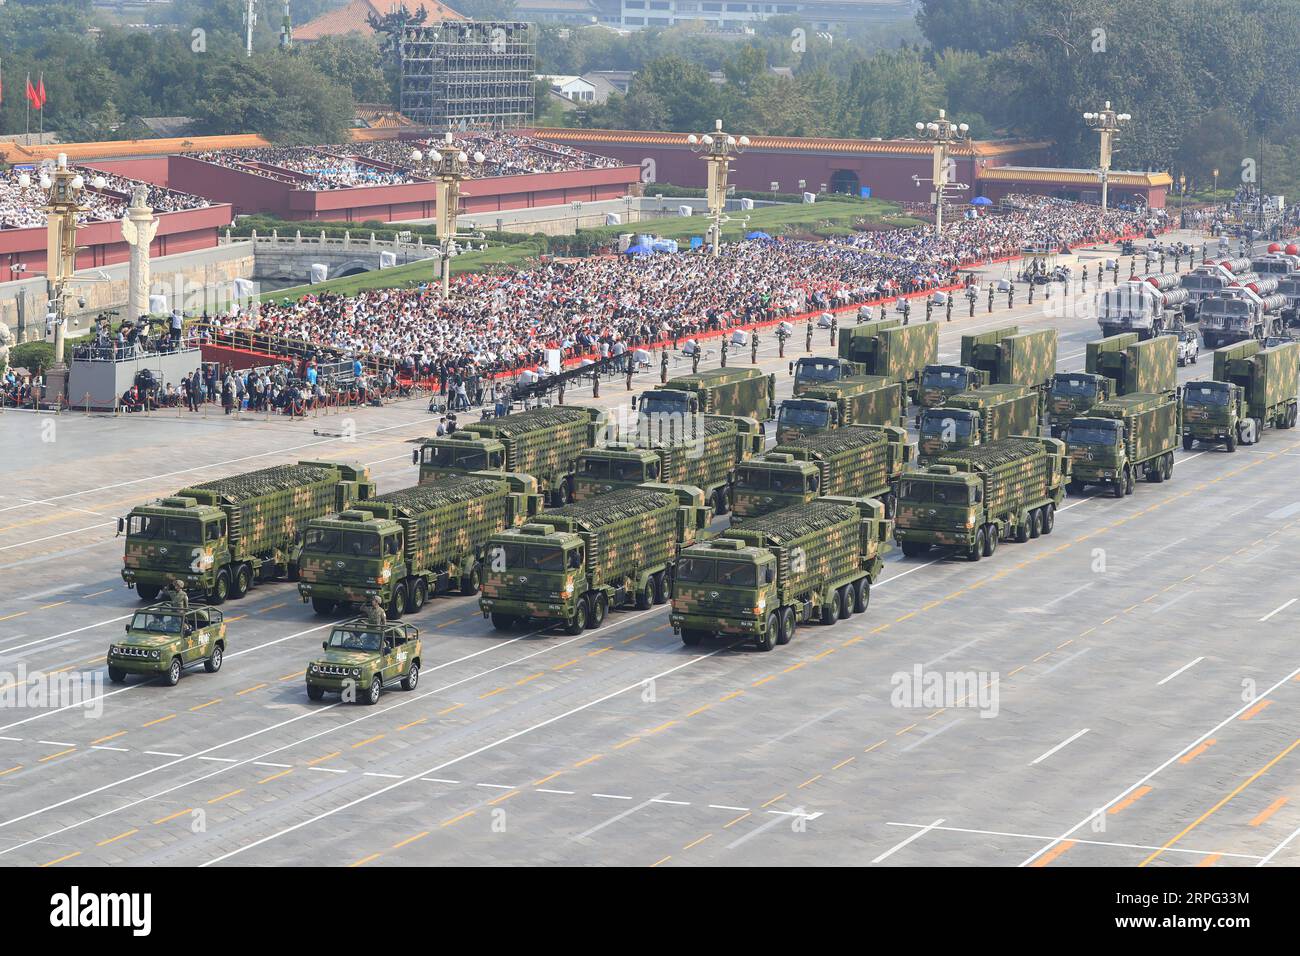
{"x":1011,"y":295}
{"x":949,"y":308}
{"x":753,"y":348}
{"x":835,"y":327}
{"x":180,"y":600}
{"x":695,"y":358}
{"x":663,"y":365}
{"x":375,"y":612}
{"x":725,"y":343}
{"x":808,"y":341}
{"x":990,"y":297}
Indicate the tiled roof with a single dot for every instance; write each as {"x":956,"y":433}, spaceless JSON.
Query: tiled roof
{"x":355,"y":17}
{"x":1072,"y":177}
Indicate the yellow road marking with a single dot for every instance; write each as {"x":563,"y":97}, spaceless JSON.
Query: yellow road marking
{"x":697,"y":842}
{"x":208,"y":704}
{"x":272,"y":607}
{"x":1131,"y":799}
{"x":292,"y":676}
{"x":1210,"y":860}
{"x":810,"y":780}
{"x":1268,"y":811}
{"x":699,"y":710}
{"x":411,"y":839}
{"x":368,"y":740}
{"x":904,"y":730}
{"x":599,"y":651}
{"x":634,"y":637}
{"x":663,"y":726}
{"x":365,"y":859}
{"x":560,"y":667}
{"x":120,"y":836}
{"x":59,"y":754}
{"x":312,"y":763}
{"x":1053,"y":853}
{"x":448,"y":710}
{"x":10,"y":617}
{"x":467,"y":813}
{"x":847,"y":760}
{"x":657,"y":862}
{"x":878,"y":743}
{"x":62,"y":859}
{"x":525,"y":680}
{"x":160,"y":720}
{"x":413,"y":723}
{"x":276,"y":776}
{"x":1196,"y":752}
{"x":491,"y":693}
{"x":626,"y":743}
{"x":747,"y":813}
{"x":249,"y":690}
{"x":763,"y":680}
{"x":178,"y":813}
{"x":726,"y":697}
{"x":226,"y":796}
{"x":592,"y":759}
{"x":109,"y":737}
{"x":46,"y":607}
{"x":547,"y":779}
{"x":1255,"y":710}
{"x":779,"y":796}
{"x":11,"y":769}
{"x":503,"y":798}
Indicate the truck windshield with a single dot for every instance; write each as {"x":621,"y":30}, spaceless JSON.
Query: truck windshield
{"x":532,"y":557}
{"x":771,"y":479}
{"x":934,"y":493}
{"x":816,"y":370}
{"x":665,"y":402}
{"x":158,"y":528}
{"x":803,"y":415}
{"x":363,"y":544}
{"x":1075,"y":386}
{"x":943,"y":424}
{"x":1093,"y":433}
{"x":737,"y":574}
{"x":156,"y":623}
{"x":348,"y":639}
{"x":947,"y":377}
{"x":442,"y":456}
{"x":1212,"y":394}
{"x":594,"y":468}
{"x":696,"y":570}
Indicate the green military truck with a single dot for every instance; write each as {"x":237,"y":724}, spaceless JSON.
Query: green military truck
{"x":406,"y":546}
{"x":977,"y":417}
{"x":361,"y":659}
{"x":1015,"y":358}
{"x":857,"y":400}
{"x":861,"y":461}
{"x":706,"y":461}
{"x":742,"y":392}
{"x":1253,"y":387}
{"x":222,"y":536}
{"x":811,"y":371}
{"x":941,"y":382}
{"x":163,"y":640}
{"x":972,"y":498}
{"x":1119,"y":365}
{"x":542,"y":442}
{"x":810,"y":562}
{"x":898,"y":352}
{"x":1126,"y":438}
{"x":573,"y":565}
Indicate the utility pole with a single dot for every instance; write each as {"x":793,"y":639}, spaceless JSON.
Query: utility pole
{"x":944,"y":133}
{"x":1107,"y":123}
{"x":250,"y":21}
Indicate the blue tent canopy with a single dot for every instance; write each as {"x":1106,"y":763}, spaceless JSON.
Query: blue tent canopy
{"x":638,"y":250}
{"x":758,"y":235}
{"x":981,"y":201}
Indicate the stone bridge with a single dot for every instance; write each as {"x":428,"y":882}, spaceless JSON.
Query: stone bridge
{"x":290,"y":258}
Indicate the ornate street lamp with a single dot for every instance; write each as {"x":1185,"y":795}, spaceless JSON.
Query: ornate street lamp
{"x":717,"y":149}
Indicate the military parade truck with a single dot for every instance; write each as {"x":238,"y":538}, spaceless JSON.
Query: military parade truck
{"x":408,"y":545}
{"x":861,"y":461}
{"x":707,"y":461}
{"x":574,"y":564}
{"x":1208,"y":279}
{"x":977,"y":417}
{"x":361,"y":659}
{"x":1146,"y":307}
{"x":971,"y":498}
{"x":813,"y":370}
{"x":744,"y":392}
{"x":542,"y":442}
{"x":1248,"y":311}
{"x":810,"y":562}
{"x":1128,"y":437}
{"x":1118,"y":365}
{"x":857,"y":400}
{"x":941,"y":382}
{"x":162,"y":640}
{"x":1018,"y":358}
{"x":221,"y":536}
{"x":898,"y":352}
{"x":1252,"y":387}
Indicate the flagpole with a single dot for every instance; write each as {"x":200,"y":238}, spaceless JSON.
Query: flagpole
{"x":40,"y":85}
{"x":29,"y":110}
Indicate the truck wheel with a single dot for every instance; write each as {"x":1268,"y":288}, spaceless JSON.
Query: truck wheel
{"x":990,"y":540}
{"x":373,"y":692}
{"x":469,"y":583}
{"x":1188,"y":440}
{"x":1293,"y":416}
{"x":242,"y":583}
{"x":661,"y":587}
{"x":1035,"y":523}
{"x":503,"y":622}
{"x":914,"y":549}
{"x":1117,"y":487}
{"x":213,"y":663}
{"x":221,"y":589}
{"x":862,"y":595}
{"x":977,"y":549}
{"x":315,"y":693}
{"x":1230,"y":443}
{"x":846,"y":602}
{"x":412,"y":677}
{"x":1169,"y":465}
{"x":173,"y":675}
{"x":1129,"y":481}
{"x":1049,"y":518}
{"x":1259,"y":431}
{"x":397,"y":603}
{"x":1024,"y":529}
{"x":831,"y":610}
{"x":578,"y":623}
{"x":116,"y":674}
{"x":890,"y":501}
{"x":645,"y":597}
{"x":419,"y":594}
{"x":599,"y":608}
{"x":1156,"y":471}
{"x":323,"y":607}
{"x":692,"y":638}
{"x":1073,"y":487}
{"x":147,"y":592}
{"x":788,"y":626}
{"x":767,"y":640}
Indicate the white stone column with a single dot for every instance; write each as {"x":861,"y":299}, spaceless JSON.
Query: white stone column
{"x":138,"y":229}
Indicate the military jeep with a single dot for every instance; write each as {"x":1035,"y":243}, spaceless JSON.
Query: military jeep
{"x":164,"y":640}
{"x":360,"y":660}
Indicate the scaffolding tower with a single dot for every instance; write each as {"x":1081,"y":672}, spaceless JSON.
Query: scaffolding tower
{"x":463,"y":74}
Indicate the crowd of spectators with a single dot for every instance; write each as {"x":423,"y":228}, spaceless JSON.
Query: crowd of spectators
{"x":23,"y":207}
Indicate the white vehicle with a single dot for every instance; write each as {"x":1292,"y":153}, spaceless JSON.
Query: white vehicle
{"x":1189,"y":347}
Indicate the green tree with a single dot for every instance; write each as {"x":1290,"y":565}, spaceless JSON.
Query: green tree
{"x":280,"y":97}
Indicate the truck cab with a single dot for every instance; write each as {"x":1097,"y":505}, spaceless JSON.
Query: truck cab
{"x":805,"y":416}
{"x":163,"y":641}
{"x":943,"y":429}
{"x":938,"y":506}
{"x":727,"y":580}
{"x":175,"y":538}
{"x":777,"y":481}
{"x":344,"y":550}
{"x":819,"y":370}
{"x":616,"y":465}
{"x":360,"y":660}
{"x":1212,"y":412}
{"x":1097,"y":450}
{"x":941,"y":382}
{"x":458,"y":453}
{"x":543,"y":571}
{"x":1073,"y":393}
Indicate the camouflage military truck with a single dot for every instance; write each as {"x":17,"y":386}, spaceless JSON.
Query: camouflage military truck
{"x":979,"y":350}
{"x":1252,"y":388}
{"x":1023,"y":358}
{"x":898,"y":352}
{"x":573,"y":565}
{"x":941,"y":382}
{"x":542,"y":442}
{"x":813,"y":370}
{"x":976,"y":417}
{"x":162,"y":640}
{"x":361,"y":660}
{"x":860,"y":461}
{"x":706,"y":461}
{"x":1119,"y":365}
{"x":972,"y":498}
{"x":810,"y":562}
{"x":407,"y":546}
{"x":222,"y":536}
{"x":742,"y":392}
{"x":857,"y":400}
{"x":1126,"y":438}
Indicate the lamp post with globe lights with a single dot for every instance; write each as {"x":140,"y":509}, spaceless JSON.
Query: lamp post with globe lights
{"x":944,"y":133}
{"x":717,"y":149}
{"x":450,"y":166}
{"x":1107,"y":123}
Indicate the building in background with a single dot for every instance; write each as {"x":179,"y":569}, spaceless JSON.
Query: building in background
{"x":576,"y":88}
{"x":462,"y":74}
{"x":355,"y":17}
{"x":725,"y":15}
{"x":578,"y":12}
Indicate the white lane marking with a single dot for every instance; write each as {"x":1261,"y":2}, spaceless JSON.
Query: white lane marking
{"x":1141,"y":782}
{"x":1064,"y":743}
{"x":1277,"y":610}
{"x":53,"y":637}
{"x":567,"y":793}
{"x":675,"y":803}
{"x":620,"y":816}
{"x":1037,"y":836}
{"x":723,"y":806}
{"x":1068,"y":594}
{"x":915,"y":836}
{"x":1190,"y":664}
{"x":391,"y":776}
{"x":775,"y":821}
{"x":496,"y":786}
{"x":1170,"y":603}
{"x":161,"y":753}
{"x":438,"y":780}
{"x":51,"y":537}
{"x":610,"y":796}
{"x":267,"y":763}
{"x":1279,"y":848}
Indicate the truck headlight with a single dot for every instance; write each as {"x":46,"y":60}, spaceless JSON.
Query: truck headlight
{"x":356,"y":672}
{"x":311,"y":668}
{"x":155,"y":654}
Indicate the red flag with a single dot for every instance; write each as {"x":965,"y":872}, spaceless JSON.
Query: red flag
{"x":32,"y":96}
{"x":40,"y":91}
